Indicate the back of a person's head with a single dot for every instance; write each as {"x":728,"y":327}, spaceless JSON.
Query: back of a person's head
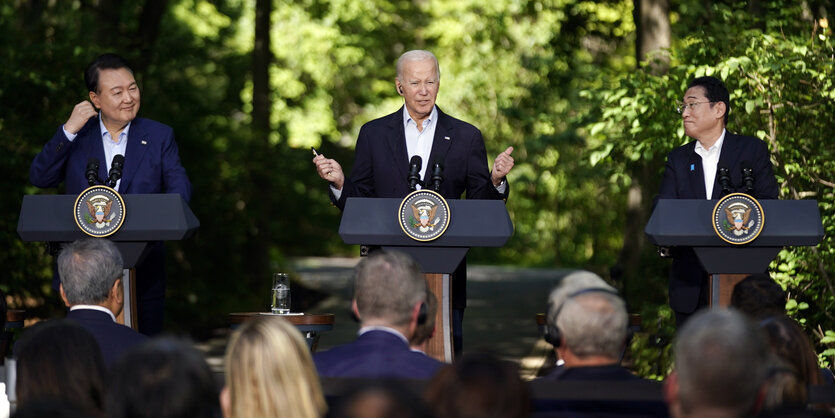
{"x":53,"y":408}
{"x":788,"y":342}
{"x":381,"y":399}
{"x":269,"y":372}
{"x":571,"y":284}
{"x":388,"y":285}
{"x":59,"y":359}
{"x":479,"y":386}
{"x":721,"y":362}
{"x":784,"y":387}
{"x":88,"y":268}
{"x":759,"y":296}
{"x":593,"y":323}
{"x":162,"y":378}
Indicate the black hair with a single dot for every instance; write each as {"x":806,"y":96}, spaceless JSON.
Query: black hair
{"x":759,"y":296}
{"x":107,"y":61}
{"x":715,"y":91}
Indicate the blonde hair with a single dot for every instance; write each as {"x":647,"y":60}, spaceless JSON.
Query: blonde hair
{"x":270,"y":373}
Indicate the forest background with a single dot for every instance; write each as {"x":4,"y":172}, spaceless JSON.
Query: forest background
{"x":585,"y":91}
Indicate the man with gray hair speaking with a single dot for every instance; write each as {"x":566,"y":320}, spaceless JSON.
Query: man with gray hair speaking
{"x":90,"y":270}
{"x":390,"y":301}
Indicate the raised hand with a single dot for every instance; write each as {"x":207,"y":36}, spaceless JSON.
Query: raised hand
{"x":329,"y":170}
{"x":81,"y":113}
{"x":502,"y":166}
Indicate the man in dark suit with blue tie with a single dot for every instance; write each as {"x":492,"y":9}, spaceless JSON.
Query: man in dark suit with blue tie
{"x":695,"y":171}
{"x":390,"y":302}
{"x":91,"y":286}
{"x":101,"y":128}
{"x":386,"y":146}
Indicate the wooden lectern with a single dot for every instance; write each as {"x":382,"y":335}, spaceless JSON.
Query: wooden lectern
{"x":473,"y":223}
{"x":148,"y":218}
{"x":687,"y":222}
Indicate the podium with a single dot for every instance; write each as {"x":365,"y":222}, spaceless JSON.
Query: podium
{"x":473,"y":223}
{"x":148,"y":218}
{"x":687,"y":222}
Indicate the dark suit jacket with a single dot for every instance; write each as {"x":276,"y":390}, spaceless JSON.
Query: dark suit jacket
{"x":113,"y":338}
{"x":376,"y":354}
{"x":684,"y":179}
{"x":152,"y":162}
{"x":381,"y":161}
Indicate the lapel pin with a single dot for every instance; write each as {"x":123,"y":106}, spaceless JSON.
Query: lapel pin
{"x":144,"y":142}
{"x":447,"y":138}
{"x":692,"y":167}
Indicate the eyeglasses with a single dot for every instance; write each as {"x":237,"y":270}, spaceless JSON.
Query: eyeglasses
{"x":680,"y":108}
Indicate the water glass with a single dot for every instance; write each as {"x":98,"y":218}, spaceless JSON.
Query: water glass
{"x":281,"y":293}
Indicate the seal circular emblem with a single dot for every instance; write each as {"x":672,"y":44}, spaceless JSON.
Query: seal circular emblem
{"x":738,"y":218}
{"x":99,"y":211}
{"x":424,"y":215}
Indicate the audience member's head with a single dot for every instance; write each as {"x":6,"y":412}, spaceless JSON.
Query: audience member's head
{"x":592,"y":327}
{"x":381,"y":399}
{"x":162,"y":378}
{"x":52,"y":408}
{"x":269,"y":373}
{"x":721,"y":363}
{"x":759,"y":296}
{"x":569,"y":285}
{"x":90,"y":270}
{"x":783,"y":387}
{"x":424,"y":330}
{"x":479,"y":386}
{"x":389,"y":290}
{"x":60,"y":360}
{"x":788,"y":342}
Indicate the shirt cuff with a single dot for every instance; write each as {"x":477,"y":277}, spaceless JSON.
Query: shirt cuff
{"x":336,"y":193}
{"x":70,"y":137}
{"x":502,"y":187}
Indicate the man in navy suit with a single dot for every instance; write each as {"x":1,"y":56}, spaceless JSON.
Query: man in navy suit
{"x":390,"y":301}
{"x":91,"y":286}
{"x":107,"y":126}
{"x":385,"y":147}
{"x":693,"y":171}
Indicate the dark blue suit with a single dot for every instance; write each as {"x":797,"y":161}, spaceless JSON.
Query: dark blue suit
{"x":114,"y":339}
{"x":684,"y":179}
{"x":381,"y":161}
{"x":152,"y":165}
{"x":375,"y":354}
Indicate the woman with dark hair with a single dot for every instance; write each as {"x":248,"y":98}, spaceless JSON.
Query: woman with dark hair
{"x":60,"y":360}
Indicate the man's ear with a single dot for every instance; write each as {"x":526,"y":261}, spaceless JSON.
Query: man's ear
{"x":355,"y":310}
{"x":63,"y":295}
{"x":720,"y":108}
{"x":94,"y":98}
{"x":117,"y":292}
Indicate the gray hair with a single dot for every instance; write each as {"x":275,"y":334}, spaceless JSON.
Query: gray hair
{"x":416,"y":55}
{"x":721,"y":360}
{"x":88,"y":268}
{"x":569,"y":285}
{"x":593,"y":323}
{"x":388,"y":285}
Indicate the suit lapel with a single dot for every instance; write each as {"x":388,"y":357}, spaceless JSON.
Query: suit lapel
{"x":696,"y":172}
{"x":138,"y":141}
{"x":440,"y":144}
{"x":727,"y":158}
{"x":396,"y":140}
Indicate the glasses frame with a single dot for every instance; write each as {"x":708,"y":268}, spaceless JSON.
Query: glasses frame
{"x":682,"y":106}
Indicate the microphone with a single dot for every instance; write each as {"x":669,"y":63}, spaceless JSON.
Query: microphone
{"x":116,"y":170}
{"x":414,"y":172}
{"x":748,"y":177}
{"x":725,"y":180}
{"x":437,"y":176}
{"x":92,"y":172}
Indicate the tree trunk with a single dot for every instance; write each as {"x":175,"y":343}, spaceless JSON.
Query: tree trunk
{"x":652,"y":22}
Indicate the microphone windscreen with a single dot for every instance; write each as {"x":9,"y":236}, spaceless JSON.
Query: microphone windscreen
{"x":416,"y":161}
{"x":118,"y":159}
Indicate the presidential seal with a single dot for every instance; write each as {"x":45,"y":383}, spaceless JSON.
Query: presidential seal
{"x":738,"y":218}
{"x":99,"y":211}
{"x":424,"y":215}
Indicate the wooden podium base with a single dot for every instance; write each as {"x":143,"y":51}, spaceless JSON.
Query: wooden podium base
{"x":439,"y":345}
{"x":722,"y":287}
{"x":128,"y":314}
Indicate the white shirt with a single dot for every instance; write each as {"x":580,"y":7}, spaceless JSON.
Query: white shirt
{"x":710,"y":162}
{"x":95,"y":308}
{"x":420,"y":142}
{"x":111,"y":148}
